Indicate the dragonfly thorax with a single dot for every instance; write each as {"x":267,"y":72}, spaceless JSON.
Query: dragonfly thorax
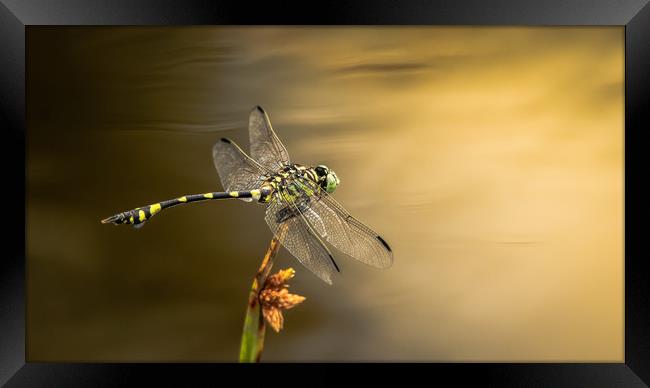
{"x":320,"y":176}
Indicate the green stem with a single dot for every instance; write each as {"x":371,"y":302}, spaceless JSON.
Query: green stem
{"x":252,"y":341}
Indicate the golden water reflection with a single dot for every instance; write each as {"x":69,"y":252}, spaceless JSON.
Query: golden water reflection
{"x":491,"y":159}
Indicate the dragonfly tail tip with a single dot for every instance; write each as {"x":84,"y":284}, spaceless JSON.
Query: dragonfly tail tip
{"x":109,"y":220}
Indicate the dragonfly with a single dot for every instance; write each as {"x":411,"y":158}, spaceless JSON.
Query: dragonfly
{"x":300,"y":209}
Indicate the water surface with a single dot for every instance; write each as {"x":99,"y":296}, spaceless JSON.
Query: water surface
{"x":491,"y":159}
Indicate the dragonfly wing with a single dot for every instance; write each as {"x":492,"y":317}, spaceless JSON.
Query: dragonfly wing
{"x":237,"y":170}
{"x":345,"y":232}
{"x":266,"y":148}
{"x":300,"y":239}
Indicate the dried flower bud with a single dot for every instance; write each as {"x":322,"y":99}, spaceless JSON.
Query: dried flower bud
{"x":279,"y":279}
{"x":275,"y":297}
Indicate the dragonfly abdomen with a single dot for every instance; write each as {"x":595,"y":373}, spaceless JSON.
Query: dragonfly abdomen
{"x":140,"y":215}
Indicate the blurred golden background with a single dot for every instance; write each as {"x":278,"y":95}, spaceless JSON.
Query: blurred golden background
{"x":491,"y":159}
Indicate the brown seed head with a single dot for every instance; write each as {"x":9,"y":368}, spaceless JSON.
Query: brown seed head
{"x":275,"y":297}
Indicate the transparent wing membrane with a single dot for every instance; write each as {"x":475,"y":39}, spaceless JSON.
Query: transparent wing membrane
{"x":299,"y":238}
{"x":343,"y":231}
{"x":237,"y":170}
{"x":266,"y":148}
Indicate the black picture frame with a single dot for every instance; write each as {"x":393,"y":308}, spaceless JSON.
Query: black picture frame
{"x":16,"y":15}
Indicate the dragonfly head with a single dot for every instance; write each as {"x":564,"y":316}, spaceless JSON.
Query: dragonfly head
{"x":327,"y":178}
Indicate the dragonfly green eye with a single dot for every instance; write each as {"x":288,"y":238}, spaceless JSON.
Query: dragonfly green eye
{"x":332,"y":182}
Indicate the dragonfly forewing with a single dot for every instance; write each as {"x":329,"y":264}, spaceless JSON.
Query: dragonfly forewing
{"x":266,"y":147}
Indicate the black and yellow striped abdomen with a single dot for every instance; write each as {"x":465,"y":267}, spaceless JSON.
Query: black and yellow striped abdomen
{"x":280,"y":181}
{"x":139,"y":215}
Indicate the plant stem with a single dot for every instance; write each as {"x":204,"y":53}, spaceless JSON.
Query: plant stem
{"x":252,"y":342}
